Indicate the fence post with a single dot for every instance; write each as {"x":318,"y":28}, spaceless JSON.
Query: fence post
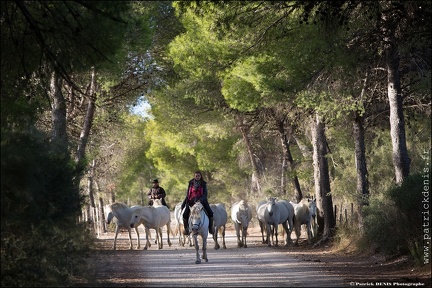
{"x":335,"y":211}
{"x":346,"y":217}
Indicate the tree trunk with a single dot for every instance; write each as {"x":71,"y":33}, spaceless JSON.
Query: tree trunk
{"x":322,"y":179}
{"x":91,"y":194}
{"x":288,"y":168}
{"x":256,"y":173}
{"x":85,"y":132}
{"x":401,"y":160}
{"x":102,"y":215}
{"x":58,"y":111}
{"x":362,"y":187}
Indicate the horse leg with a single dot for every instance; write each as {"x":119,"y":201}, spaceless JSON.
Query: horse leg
{"x":291,"y":228}
{"x":297,"y":232}
{"x":168,"y":234}
{"x":309,"y":232}
{"x":223,"y":228}
{"x":276,"y":234}
{"x":130,"y":238}
{"x":138,"y":239}
{"x":285,"y":228}
{"x":159,"y":237}
{"x":115,"y":237}
{"x":204,"y":247}
{"x":262,"y":232}
{"x":190,"y":241}
{"x":147,"y":231}
{"x":239,"y":243}
{"x":284,"y":231}
{"x":244,"y":234}
{"x":180,"y":234}
{"x":198,"y":259}
{"x":138,"y":246}
{"x":269,"y":233}
{"x":215,"y":237}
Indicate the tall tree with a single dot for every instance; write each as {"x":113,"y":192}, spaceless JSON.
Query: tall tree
{"x":393,"y":25}
{"x":321,"y":176}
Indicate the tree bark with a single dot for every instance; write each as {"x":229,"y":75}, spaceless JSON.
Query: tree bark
{"x":102,"y":215}
{"x":88,"y":120}
{"x":321,"y":177}
{"x":58,"y":111}
{"x":256,"y":173}
{"x":362,"y":187}
{"x":401,"y":160}
{"x":288,"y":168}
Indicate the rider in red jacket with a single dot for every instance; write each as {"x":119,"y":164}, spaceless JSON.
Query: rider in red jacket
{"x":197,"y":190}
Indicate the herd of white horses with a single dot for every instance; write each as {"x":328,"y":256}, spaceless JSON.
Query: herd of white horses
{"x":270,"y":213}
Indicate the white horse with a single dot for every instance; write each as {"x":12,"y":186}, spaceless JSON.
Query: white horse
{"x":241,"y":215}
{"x":261,"y":220}
{"x":305,"y":213}
{"x":178,"y":216}
{"x":121,"y":214}
{"x":220,"y":218}
{"x":290,"y":220}
{"x":274,"y":213}
{"x":153,"y":217}
{"x":198,"y":224}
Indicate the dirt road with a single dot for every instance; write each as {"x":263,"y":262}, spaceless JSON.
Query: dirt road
{"x":255,"y":266}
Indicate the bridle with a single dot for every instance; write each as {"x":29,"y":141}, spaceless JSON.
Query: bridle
{"x":198,"y":225}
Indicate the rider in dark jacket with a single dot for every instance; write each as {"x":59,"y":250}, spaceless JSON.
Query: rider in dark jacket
{"x":197,"y":190}
{"x":156,"y":192}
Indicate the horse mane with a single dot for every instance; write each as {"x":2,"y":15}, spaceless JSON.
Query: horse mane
{"x":196,"y":208}
{"x":118,"y":205}
{"x":243,"y":205}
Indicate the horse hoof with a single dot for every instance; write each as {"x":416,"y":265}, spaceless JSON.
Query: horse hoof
{"x":197,"y":261}
{"x":245,"y":246}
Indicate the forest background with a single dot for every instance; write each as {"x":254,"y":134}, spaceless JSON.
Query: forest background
{"x":327,"y":99}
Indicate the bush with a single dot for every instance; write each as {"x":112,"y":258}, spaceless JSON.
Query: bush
{"x":41,"y":242}
{"x":392,"y":224}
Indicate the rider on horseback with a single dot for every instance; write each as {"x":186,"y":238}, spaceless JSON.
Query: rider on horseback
{"x":197,"y":190}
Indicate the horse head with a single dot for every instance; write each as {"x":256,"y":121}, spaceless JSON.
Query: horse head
{"x":195,"y":218}
{"x":110,"y":217}
{"x":312,"y":207}
{"x":271,"y":204}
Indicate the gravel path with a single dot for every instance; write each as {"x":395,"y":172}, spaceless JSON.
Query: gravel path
{"x":255,"y":266}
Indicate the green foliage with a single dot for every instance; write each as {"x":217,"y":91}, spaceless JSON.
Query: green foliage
{"x":49,"y":254}
{"x":393,"y":223}
{"x":40,"y":204}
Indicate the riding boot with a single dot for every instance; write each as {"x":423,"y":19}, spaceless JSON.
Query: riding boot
{"x":211,"y":228}
{"x":186,"y":227}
